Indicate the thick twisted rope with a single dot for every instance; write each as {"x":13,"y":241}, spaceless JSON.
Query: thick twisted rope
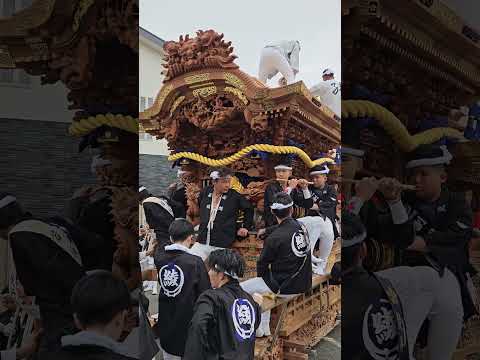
{"x":237,"y":185}
{"x":272,"y":149}
{"x":85,"y":126}
{"x":394,"y":127}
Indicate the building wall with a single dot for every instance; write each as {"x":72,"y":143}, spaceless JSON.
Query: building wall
{"x":40,"y":164}
{"x":156,"y":173}
{"x":22,"y":97}
{"x":150,"y":68}
{"x":150,"y":78}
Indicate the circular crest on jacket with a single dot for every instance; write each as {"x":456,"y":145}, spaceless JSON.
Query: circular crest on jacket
{"x":243,"y":316}
{"x":300,"y":244}
{"x":171,"y":279}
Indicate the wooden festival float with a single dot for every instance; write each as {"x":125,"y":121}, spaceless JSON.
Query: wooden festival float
{"x":212,"y":114}
{"x":406,"y":77}
{"x":92,"y":48}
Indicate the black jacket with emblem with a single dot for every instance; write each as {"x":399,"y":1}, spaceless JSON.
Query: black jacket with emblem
{"x":273,"y":189}
{"x":225,"y":226}
{"x":364,"y":299}
{"x":159,"y":214}
{"x":223,"y":326}
{"x":326,"y":200}
{"x":284,"y":263}
{"x":446,"y":226}
{"x":48,"y":264}
{"x":176,"y":310}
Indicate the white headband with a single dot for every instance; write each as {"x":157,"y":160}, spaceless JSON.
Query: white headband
{"x":277,"y":206}
{"x":444,"y":159}
{"x":232,"y":275}
{"x":324,"y":171}
{"x":7,"y":200}
{"x":97,"y":161}
{"x":351,"y":151}
{"x":282,"y":167}
{"x":142,"y":188}
{"x":215,"y":175}
{"x":355,"y":240}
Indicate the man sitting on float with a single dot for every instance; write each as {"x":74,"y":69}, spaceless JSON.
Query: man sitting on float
{"x":285,"y":264}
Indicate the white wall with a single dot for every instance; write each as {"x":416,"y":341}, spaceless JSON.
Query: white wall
{"x":150,"y":78}
{"x":32,"y":101}
{"x":150,"y":68}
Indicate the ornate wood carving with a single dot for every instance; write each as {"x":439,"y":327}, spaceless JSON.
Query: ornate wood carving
{"x":207,"y":49}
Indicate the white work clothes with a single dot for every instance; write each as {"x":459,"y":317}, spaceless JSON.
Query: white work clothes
{"x":329,"y":92}
{"x":319,"y":231}
{"x":282,"y":57}
{"x":424,"y":294}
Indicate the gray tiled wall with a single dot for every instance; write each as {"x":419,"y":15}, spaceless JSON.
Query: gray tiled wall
{"x":156,"y":173}
{"x":40,"y":164}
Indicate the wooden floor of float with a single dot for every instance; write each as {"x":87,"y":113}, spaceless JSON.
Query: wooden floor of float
{"x":309,"y":318}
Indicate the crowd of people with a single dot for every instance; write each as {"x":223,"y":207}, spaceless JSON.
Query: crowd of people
{"x":63,"y":299}
{"x":205,"y":306}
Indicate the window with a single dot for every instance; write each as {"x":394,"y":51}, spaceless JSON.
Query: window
{"x":6,"y":75}
{"x":8,"y":8}
{"x":15,"y":76}
{"x":150,"y":102}
{"x":146,"y":137}
{"x":142,"y":103}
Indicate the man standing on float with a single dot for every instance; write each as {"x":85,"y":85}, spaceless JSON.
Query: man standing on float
{"x":281,"y":57}
{"x":219,"y":206}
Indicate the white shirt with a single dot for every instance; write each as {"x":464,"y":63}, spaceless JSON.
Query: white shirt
{"x":329,"y":92}
{"x":290,"y":49}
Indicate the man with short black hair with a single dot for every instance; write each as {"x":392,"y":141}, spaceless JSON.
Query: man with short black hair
{"x":219,"y":207}
{"x":100,"y":306}
{"x":183,"y":277}
{"x":285,"y":264}
{"x":226,"y":317}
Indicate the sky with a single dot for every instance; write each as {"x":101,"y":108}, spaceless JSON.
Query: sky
{"x":250,"y":25}
{"x":469,"y":10}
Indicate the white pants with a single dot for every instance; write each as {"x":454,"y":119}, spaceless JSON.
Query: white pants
{"x":258,"y":285}
{"x":202,"y":250}
{"x":424,"y":294}
{"x":272,"y":62}
{"x":319,"y":231}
